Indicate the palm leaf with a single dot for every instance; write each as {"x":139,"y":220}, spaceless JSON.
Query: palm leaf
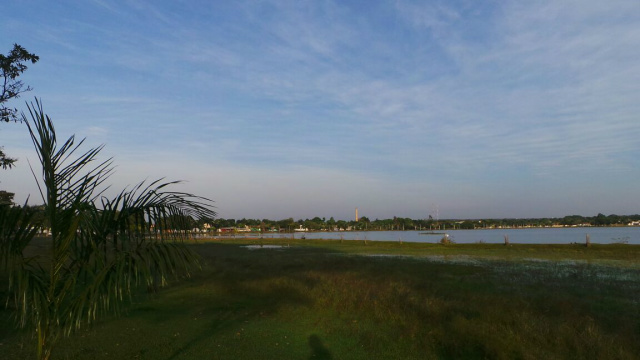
{"x":101,"y":248}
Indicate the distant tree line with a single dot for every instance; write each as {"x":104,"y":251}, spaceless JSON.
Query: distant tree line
{"x":400,"y":223}
{"x":364,"y":223}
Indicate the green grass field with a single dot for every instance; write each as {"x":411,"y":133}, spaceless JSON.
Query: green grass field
{"x":380,"y":300}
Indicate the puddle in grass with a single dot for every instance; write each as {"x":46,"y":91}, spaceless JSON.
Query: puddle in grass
{"x":258,"y":247}
{"x":456,"y":259}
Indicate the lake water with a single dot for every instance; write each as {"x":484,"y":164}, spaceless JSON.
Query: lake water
{"x":599,"y":235}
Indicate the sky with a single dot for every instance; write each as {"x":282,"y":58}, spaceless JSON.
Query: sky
{"x":278,"y":109}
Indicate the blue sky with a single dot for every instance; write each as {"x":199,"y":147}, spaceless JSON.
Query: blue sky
{"x":279,"y":109}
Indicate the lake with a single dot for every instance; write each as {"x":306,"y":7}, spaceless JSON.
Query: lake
{"x":599,"y":235}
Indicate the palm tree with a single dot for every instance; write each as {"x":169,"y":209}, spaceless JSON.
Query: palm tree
{"x":99,"y":249}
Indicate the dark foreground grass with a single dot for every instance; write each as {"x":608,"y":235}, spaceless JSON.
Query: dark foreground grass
{"x":325,"y":300}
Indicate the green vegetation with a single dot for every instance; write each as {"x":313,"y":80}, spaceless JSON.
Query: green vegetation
{"x":12,"y":66}
{"x":100,"y":249}
{"x":293,"y":299}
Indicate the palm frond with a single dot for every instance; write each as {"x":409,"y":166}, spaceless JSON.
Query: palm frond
{"x":101,"y":248}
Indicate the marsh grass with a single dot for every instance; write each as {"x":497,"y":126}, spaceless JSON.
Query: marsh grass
{"x":324,"y":300}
